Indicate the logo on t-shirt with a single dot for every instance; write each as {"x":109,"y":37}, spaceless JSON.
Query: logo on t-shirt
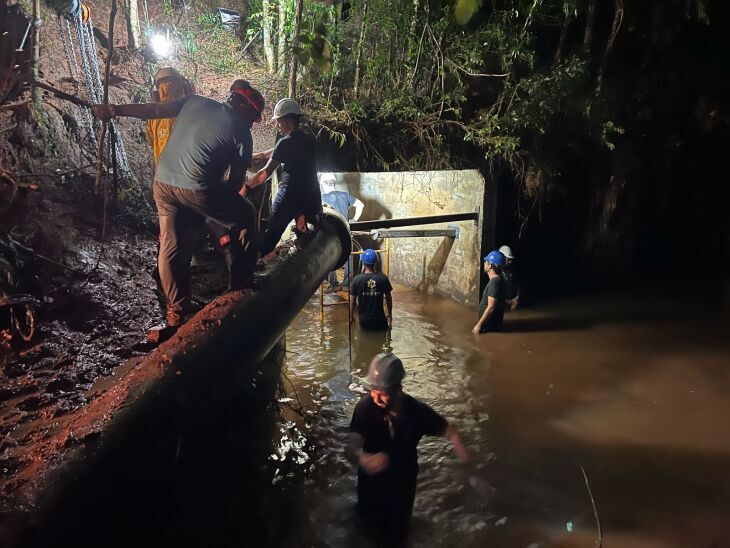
{"x":371,"y":288}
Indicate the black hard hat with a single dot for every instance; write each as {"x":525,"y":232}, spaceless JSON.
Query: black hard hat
{"x":386,"y":371}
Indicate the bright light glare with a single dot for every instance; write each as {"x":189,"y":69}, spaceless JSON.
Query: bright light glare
{"x":160,"y":44}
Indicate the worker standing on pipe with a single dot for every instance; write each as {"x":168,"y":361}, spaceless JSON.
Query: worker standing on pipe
{"x":491,"y":307}
{"x":169,"y":86}
{"x":209,"y":138}
{"x":341,"y":202}
{"x":368,"y":290}
{"x":391,"y":424}
{"x":298,"y":196}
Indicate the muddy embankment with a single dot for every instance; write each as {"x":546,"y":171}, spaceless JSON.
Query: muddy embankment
{"x":89,"y":302}
{"x":138,"y":420}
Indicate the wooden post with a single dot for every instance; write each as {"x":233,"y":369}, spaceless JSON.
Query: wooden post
{"x":134,"y":40}
{"x":105,"y":100}
{"x":36,"y":55}
{"x":360,"y":45}
{"x":281,"y":39}
{"x":268,"y":39}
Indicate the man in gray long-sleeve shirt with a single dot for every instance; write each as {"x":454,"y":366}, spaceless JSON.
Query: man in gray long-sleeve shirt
{"x":209,"y":138}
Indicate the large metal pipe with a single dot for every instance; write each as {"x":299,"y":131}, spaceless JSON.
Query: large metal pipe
{"x":136,"y":420}
{"x":414,"y":221}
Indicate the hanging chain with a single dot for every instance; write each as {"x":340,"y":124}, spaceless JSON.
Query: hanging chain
{"x":67,"y":47}
{"x":91,"y":56}
{"x":90,"y":64}
{"x":64,"y":27}
{"x":121,"y":153}
{"x":85,"y":62}
{"x":87,"y":118}
{"x":70,"y":43}
{"x":89,"y":122}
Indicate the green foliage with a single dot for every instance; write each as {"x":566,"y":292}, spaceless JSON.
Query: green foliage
{"x":167,"y":7}
{"x":140,"y":94}
{"x":254,"y":24}
{"x":464,"y":10}
{"x":313,"y":47}
{"x":420,"y":65}
{"x":608,"y":132}
{"x":203,"y":41}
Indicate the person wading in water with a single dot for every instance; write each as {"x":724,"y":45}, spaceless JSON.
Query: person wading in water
{"x":390,"y":424}
{"x":491,"y":307}
{"x":368,"y":290}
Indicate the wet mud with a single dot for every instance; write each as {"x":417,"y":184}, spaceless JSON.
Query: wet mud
{"x":90,"y":319}
{"x":135,"y":416}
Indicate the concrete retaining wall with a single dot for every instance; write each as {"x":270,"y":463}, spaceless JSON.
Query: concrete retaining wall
{"x":439,"y":265}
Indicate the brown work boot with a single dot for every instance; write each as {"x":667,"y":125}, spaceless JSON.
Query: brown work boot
{"x":174,"y":318}
{"x":158,"y":335}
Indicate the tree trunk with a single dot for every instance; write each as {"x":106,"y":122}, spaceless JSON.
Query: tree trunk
{"x":105,"y":124}
{"x":618,"y":16}
{"x":414,"y":21}
{"x":563,"y":37}
{"x":360,"y":43}
{"x":294,"y":59}
{"x":268,"y":43}
{"x":281,"y":40}
{"x":134,"y":40}
{"x":654,"y":35}
{"x":590,"y":21}
{"x":36,"y":54}
{"x":242,"y":25}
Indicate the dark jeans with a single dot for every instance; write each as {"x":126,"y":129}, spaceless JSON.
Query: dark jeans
{"x":182,"y":213}
{"x":287,"y":205}
{"x":386,"y":500}
{"x":345,"y":279}
{"x":373,"y":324}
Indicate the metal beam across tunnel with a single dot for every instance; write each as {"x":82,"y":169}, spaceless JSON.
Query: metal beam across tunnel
{"x":415,"y":221}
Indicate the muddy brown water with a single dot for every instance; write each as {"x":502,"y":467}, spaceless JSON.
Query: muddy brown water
{"x":627,"y":387}
{"x":635,"y":388}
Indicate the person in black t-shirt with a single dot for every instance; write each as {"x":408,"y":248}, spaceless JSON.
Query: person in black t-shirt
{"x":391,"y":424}
{"x":491,"y":307}
{"x":298,"y":196}
{"x":368,"y":290}
{"x":511,"y":282}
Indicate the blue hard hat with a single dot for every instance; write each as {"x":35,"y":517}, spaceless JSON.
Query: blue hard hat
{"x":495,"y":257}
{"x":369,"y":256}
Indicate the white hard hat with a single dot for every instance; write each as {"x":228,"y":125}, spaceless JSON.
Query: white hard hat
{"x":506,"y":251}
{"x":284,"y":107}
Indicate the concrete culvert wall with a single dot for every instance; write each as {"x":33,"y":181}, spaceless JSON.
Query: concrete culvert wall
{"x":441,"y":265}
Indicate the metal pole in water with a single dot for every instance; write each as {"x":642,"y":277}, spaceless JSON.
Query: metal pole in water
{"x":349,"y":316}
{"x":387,"y":257}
